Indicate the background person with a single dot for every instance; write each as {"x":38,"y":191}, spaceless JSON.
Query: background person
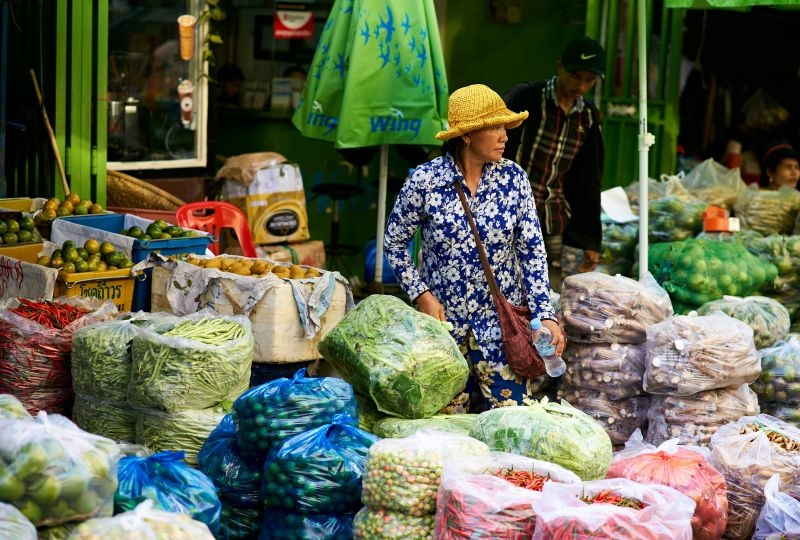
{"x":560,"y":146}
{"x":451,"y":284}
{"x":779,"y":166}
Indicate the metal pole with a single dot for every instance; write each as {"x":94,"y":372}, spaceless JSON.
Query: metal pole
{"x":645,"y":140}
{"x":382,"y":181}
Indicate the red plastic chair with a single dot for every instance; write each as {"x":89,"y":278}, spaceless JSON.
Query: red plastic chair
{"x":212,"y":217}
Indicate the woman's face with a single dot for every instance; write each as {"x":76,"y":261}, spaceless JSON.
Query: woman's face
{"x":786,"y":173}
{"x":487,"y":144}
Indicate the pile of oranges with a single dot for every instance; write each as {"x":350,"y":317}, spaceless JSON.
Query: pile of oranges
{"x":93,"y":256}
{"x":71,"y":205}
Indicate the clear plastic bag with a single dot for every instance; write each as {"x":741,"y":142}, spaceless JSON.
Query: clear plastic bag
{"x":768,"y":212}
{"x":597,"y":308}
{"x":767,"y":317}
{"x":183,"y":430}
{"x":567,"y":511}
{"x":673,"y":218}
{"x":475,"y":500}
{"x":383,"y":524}
{"x":780,"y":515}
{"x":236,"y":480}
{"x":619,"y":417}
{"x":714,"y":183}
{"x":14,"y":525}
{"x":614,"y":369}
{"x":779,"y":382}
{"x":748,"y":452}
{"x":282,"y":525}
{"x":684,"y":468}
{"x":690,"y":354}
{"x":400,"y":427}
{"x":12,"y":408}
{"x":104,"y":418}
{"x":403,"y":475}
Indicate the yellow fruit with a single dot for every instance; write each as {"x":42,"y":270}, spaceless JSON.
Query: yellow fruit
{"x":95,"y":209}
{"x":73,"y":198}
{"x":107,"y":248}
{"x":12,"y":225}
{"x":44,"y":260}
{"x":91,"y":246}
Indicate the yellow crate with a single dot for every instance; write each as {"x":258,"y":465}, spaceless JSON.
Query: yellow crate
{"x":24,"y":252}
{"x":115,"y":285}
{"x":21,"y":204}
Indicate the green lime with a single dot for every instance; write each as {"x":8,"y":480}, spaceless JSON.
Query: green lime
{"x":106,"y":248}
{"x":91,"y":246}
{"x":56,"y":261}
{"x":165,"y":236}
{"x":27,"y":224}
{"x":45,"y":490}
{"x":13,"y":225}
{"x":25,"y":236}
{"x":69,"y":244}
{"x":11,"y":488}
{"x":113,"y":259}
{"x":10,"y":238}
{"x":44,"y":260}
{"x":3,"y":227}
{"x":83,"y":253}
{"x":154,"y":230}
{"x":70,"y":254}
{"x":31,"y":510}
{"x":81,"y":266}
{"x":161,"y":224}
{"x":135,"y":231}
{"x":68,"y":267}
{"x":173,"y":230}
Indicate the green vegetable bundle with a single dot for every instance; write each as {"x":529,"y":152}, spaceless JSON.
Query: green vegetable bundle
{"x":394,"y":428}
{"x":183,"y":430}
{"x":382,"y":524}
{"x":200,"y":362}
{"x":403,"y":474}
{"x":237,"y":480}
{"x":319,"y":470}
{"x":54,"y":472}
{"x":281,"y":525}
{"x":14,"y":525}
{"x":697,"y":270}
{"x":101,"y":417}
{"x":101,"y":360}
{"x":12,"y":408}
{"x":767,"y":317}
{"x":672,"y":218}
{"x":778,"y":386}
{"x":554,"y":432}
{"x":368,"y":413}
{"x":267,"y":415}
{"x":405,"y":360}
{"x":238,"y":523}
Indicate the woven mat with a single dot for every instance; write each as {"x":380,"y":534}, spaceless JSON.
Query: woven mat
{"x":126,"y":191}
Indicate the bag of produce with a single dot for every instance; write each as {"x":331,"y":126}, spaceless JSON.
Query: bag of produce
{"x":493,"y":495}
{"x":14,"y":525}
{"x":404,"y":359}
{"x":548,"y":431}
{"x":170,"y":484}
{"x":614,"y":509}
{"x":694,"y":419}
{"x":53,"y":471}
{"x":619,"y":417}
{"x":382,"y":524}
{"x":780,"y":515}
{"x":614,"y":369}
{"x":282,"y":525}
{"x":779,"y":382}
{"x":659,"y":188}
{"x":12,"y":408}
{"x":319,"y":470}
{"x":682,"y":468}
{"x":395,"y":428}
{"x":672,"y":218}
{"x":368,"y":413}
{"x":781,"y":250}
{"x":597,"y":308}
{"x":768,"y":211}
{"x":767,"y":317}
{"x":236,"y":479}
{"x":617,"y":253}
{"x":183,"y":430}
{"x":200,"y":362}
{"x":403,"y":475}
{"x":267,"y":415}
{"x":113,"y":420}
{"x":59,"y":532}
{"x":145,"y":521}
{"x":748,"y":452}
{"x":714,"y":183}
{"x":238,"y":522}
{"x":689,"y":354}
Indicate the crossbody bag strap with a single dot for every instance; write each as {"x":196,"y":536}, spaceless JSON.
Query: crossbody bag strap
{"x":481,"y":252}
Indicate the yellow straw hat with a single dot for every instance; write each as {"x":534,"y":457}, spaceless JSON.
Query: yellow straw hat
{"x":475,"y":107}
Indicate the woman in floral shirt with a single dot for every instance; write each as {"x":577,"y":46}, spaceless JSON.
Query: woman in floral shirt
{"x":451,"y":284}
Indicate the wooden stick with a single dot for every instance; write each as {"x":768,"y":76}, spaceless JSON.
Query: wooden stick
{"x":52,"y":135}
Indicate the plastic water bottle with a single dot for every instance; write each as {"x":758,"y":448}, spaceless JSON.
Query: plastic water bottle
{"x":542,"y":339}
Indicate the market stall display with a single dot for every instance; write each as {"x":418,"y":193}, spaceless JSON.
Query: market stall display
{"x":767,"y":317}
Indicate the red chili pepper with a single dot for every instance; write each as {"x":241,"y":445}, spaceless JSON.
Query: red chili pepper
{"x":609,"y":497}
{"x":524,"y":479}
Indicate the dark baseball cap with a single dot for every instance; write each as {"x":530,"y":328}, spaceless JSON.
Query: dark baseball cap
{"x":584,"y":54}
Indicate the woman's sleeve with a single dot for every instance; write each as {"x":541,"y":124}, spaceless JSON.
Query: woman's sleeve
{"x":529,"y":245}
{"x":404,"y":219}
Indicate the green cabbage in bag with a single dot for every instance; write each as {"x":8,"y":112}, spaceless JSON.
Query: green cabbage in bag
{"x":404,"y":359}
{"x":400,"y":427}
{"x":554,"y":432}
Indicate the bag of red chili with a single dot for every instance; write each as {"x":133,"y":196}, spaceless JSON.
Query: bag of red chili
{"x":684,"y":468}
{"x":493,"y":495}
{"x":36,"y":346}
{"x":613,"y":509}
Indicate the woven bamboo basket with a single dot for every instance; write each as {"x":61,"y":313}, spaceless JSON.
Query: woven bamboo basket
{"x":126,"y":191}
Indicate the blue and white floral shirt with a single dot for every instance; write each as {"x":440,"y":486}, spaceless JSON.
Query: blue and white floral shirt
{"x":505,"y":214}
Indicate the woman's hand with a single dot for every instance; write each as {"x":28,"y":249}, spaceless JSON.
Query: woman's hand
{"x":428,"y":304}
{"x":559,"y":339}
{"x":590,"y":261}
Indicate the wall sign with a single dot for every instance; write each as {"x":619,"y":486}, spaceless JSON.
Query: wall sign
{"x":293,"y":21}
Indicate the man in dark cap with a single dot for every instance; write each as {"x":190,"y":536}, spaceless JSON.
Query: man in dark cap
{"x":560,"y":146}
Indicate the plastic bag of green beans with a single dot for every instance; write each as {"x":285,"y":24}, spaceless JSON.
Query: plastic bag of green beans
{"x":318,"y":470}
{"x":201,"y":361}
{"x":382,"y":524}
{"x":171,"y":484}
{"x":236,"y":480}
{"x":403,"y":474}
{"x":554,"y":432}
{"x":281,"y":525}
{"x":183,"y":430}
{"x":145,"y":521}
{"x":395,"y":428}
{"x":14,"y":525}
{"x":104,"y":418}
{"x":267,"y":415}
{"x":405,"y":360}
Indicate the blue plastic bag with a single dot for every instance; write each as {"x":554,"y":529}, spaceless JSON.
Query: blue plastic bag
{"x":171,"y":484}
{"x":319,"y":470}
{"x":238,"y":523}
{"x":282,"y":525}
{"x":267,"y":415}
{"x":237,"y":480}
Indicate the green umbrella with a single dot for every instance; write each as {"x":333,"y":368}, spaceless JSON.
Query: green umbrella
{"x":377,"y":78}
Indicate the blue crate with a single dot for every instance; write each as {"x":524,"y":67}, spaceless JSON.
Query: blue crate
{"x":113,"y":224}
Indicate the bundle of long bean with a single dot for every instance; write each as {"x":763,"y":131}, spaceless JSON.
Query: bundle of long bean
{"x":184,"y":430}
{"x":197,"y":364}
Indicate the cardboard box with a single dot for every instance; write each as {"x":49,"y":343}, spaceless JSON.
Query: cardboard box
{"x":270,"y":303}
{"x":115,"y":285}
{"x":20,"y":276}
